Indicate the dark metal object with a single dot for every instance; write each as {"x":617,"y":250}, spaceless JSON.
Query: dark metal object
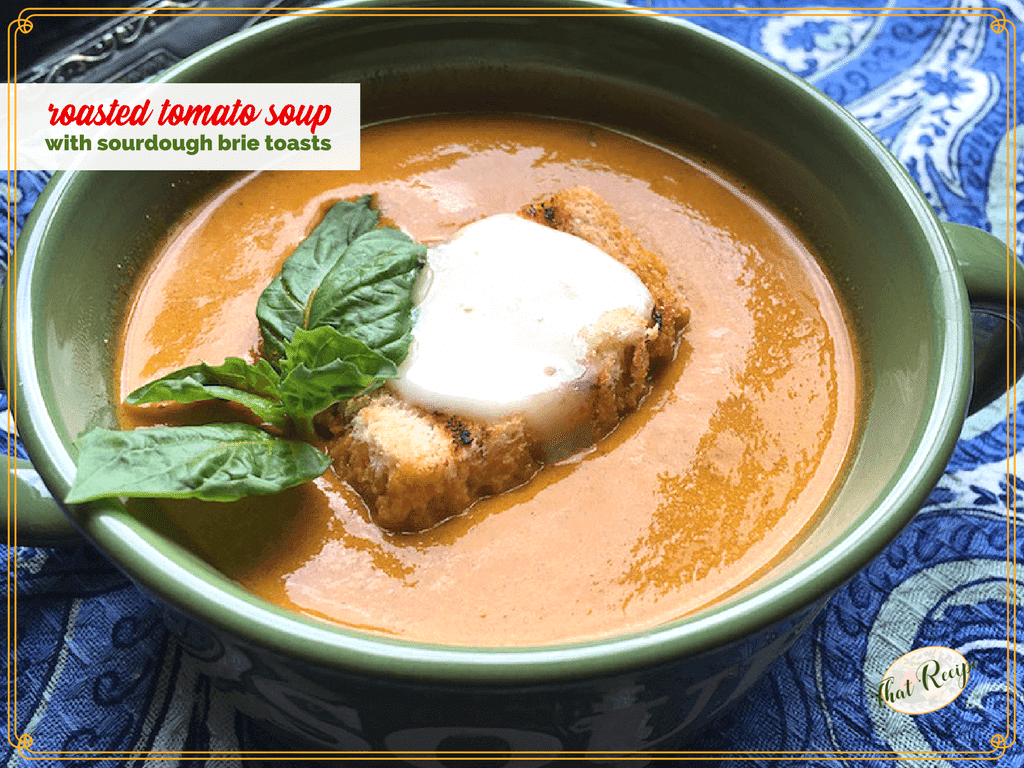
{"x":98,"y":47}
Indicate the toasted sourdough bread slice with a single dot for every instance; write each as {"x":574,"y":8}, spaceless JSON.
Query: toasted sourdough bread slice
{"x":415,"y":468}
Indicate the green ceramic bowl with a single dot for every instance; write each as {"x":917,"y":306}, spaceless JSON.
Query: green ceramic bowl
{"x":901,"y":271}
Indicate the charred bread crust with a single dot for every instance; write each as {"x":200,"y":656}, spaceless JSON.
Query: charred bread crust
{"x":416,"y":468}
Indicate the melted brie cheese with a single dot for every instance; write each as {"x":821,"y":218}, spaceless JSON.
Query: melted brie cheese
{"x":508,"y":314}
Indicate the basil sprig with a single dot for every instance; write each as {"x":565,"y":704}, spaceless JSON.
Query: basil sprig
{"x":337,"y":321}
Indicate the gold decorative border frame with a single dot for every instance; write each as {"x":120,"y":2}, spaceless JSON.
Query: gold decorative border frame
{"x":999,"y":24}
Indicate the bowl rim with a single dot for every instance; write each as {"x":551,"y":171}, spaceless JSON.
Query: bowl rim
{"x":135,"y":549}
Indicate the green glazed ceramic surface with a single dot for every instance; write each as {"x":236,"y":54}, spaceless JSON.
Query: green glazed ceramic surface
{"x":91,"y":232}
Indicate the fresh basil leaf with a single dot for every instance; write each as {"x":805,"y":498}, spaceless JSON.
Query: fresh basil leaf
{"x":260,"y":378}
{"x":322,"y":367}
{"x":282,"y":305}
{"x":367,"y":294}
{"x":253,"y":386}
{"x":215,"y":462}
{"x":321,"y":346}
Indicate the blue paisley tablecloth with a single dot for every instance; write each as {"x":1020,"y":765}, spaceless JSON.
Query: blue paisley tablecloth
{"x":97,"y":671}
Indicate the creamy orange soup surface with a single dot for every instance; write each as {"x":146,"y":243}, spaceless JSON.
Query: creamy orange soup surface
{"x":723,"y":467}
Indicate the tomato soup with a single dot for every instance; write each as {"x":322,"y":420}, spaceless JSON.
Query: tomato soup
{"x":727,"y":462}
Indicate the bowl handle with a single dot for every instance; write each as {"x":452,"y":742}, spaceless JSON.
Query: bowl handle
{"x":997,"y":308}
{"x":40,"y":520}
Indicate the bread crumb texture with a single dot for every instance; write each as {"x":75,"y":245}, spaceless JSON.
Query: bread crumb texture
{"x":416,"y":468}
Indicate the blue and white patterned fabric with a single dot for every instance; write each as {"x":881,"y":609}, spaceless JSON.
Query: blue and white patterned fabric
{"x":97,"y":667}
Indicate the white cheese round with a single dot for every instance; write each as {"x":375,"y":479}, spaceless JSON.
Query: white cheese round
{"x":502,"y":317}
